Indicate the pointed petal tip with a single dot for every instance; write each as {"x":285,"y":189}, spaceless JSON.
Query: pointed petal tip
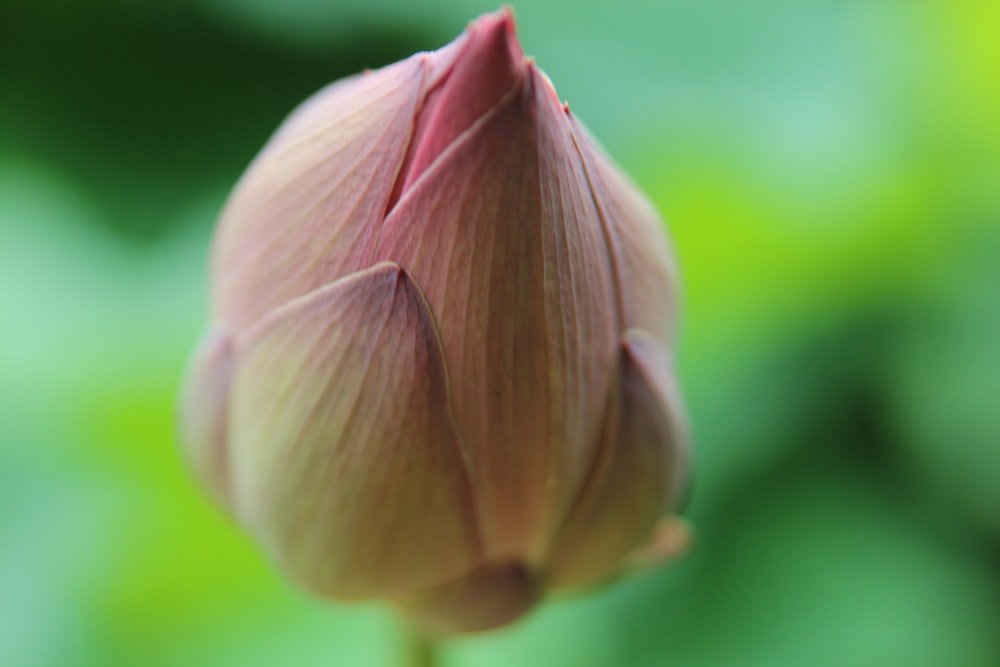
{"x":672,"y":539}
{"x":487,"y":67}
{"x":387,"y":268}
{"x":494,"y":39}
{"x":307,"y":209}
{"x":501,"y":23}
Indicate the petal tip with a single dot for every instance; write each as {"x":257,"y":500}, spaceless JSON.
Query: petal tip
{"x":493,"y":38}
{"x":672,"y":539}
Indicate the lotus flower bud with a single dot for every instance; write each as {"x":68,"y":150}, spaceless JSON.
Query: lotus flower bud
{"x":438,"y":370}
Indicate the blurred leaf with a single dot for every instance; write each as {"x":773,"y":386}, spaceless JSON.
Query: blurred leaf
{"x":946,"y":385}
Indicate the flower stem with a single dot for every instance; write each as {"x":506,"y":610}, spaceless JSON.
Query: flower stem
{"x":420,"y":650}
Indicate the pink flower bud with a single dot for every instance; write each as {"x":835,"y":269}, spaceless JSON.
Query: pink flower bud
{"x":439,"y":367}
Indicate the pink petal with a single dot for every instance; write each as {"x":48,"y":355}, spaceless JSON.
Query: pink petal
{"x":646,"y":272}
{"x":345,"y":461}
{"x":488,"y":66}
{"x":641,"y":472}
{"x":502,"y":234}
{"x":298,"y":217}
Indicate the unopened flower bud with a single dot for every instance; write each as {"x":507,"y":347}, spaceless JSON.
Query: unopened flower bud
{"x":438,"y":369}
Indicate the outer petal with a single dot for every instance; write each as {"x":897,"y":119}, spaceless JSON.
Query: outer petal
{"x":491,"y":596}
{"x":641,"y":472}
{"x":502,"y":234}
{"x":204,"y":413}
{"x":298,"y":216}
{"x":644,"y":264}
{"x":344,"y":458}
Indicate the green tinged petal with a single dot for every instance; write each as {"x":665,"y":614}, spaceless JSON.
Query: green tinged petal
{"x":640,"y":473}
{"x":345,"y":460}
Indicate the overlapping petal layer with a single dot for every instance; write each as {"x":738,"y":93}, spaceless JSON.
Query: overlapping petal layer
{"x":502,"y":234}
{"x":441,"y":367}
{"x":642,"y":464}
{"x":344,"y":458}
{"x":488,"y":66}
{"x":299,"y":217}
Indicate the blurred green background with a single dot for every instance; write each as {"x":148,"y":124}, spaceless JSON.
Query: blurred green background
{"x":831,"y":175}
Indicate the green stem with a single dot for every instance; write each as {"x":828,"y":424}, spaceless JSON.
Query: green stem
{"x":421,"y":650}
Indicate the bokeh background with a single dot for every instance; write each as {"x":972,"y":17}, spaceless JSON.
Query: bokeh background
{"x":830,"y":172}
